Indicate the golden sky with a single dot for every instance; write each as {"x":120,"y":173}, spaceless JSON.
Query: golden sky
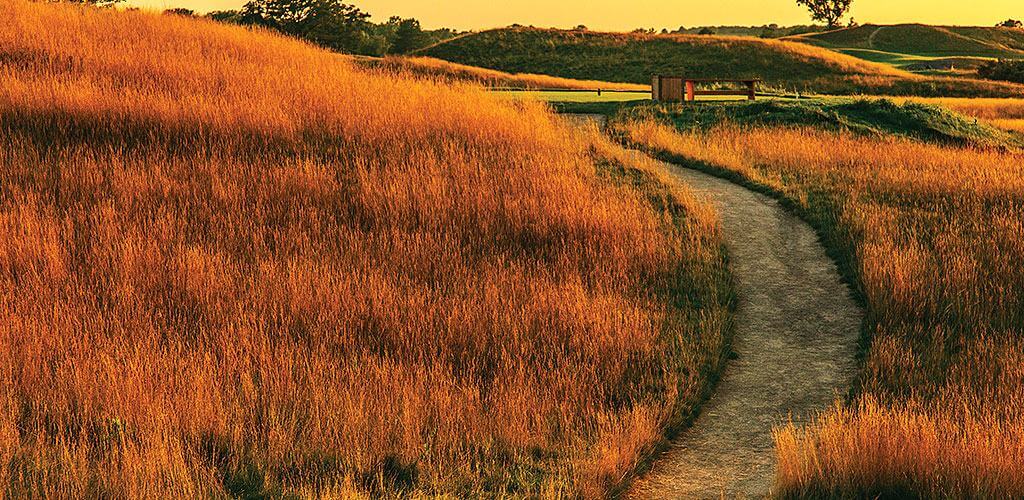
{"x":620,"y":15}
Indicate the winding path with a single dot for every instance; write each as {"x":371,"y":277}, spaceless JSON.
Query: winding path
{"x":795,"y":339}
{"x":795,"y":343}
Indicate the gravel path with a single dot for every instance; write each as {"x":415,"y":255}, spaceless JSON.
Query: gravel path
{"x":796,"y":335}
{"x":795,"y":343}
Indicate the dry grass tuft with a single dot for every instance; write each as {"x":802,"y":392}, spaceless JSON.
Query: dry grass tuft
{"x":449,"y":72}
{"x":232,"y":264}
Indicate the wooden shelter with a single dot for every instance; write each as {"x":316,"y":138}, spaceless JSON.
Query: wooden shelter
{"x":680,"y":88}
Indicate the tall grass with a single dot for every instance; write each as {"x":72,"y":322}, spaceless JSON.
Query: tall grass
{"x":933,"y":237}
{"x":233,"y":264}
{"x":449,"y":72}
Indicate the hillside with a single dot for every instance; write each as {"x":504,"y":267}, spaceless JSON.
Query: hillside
{"x":233,"y":265}
{"x":634,"y":58}
{"x":920,"y":47}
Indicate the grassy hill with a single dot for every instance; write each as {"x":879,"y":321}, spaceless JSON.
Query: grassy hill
{"x":920,"y":47}
{"x":233,"y":265}
{"x":634,"y":58}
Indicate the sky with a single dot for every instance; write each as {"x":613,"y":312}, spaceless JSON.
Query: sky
{"x":626,"y":15}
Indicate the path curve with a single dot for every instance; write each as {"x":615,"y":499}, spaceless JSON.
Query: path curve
{"x":795,"y":339}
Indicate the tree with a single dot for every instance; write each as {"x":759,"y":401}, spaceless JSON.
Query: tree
{"x":180,"y":11}
{"x":408,"y":37}
{"x":225,"y":16}
{"x":98,"y":3}
{"x":706,"y":31}
{"x":328,"y":23}
{"x":828,"y":11}
{"x":1010,"y":23}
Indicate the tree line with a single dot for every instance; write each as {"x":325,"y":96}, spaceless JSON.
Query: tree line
{"x":331,"y":24}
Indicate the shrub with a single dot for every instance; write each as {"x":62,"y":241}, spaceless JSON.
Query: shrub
{"x":1010,"y":70}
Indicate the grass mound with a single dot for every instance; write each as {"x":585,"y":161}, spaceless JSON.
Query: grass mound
{"x":878,"y":117}
{"x":634,"y":58}
{"x":232,"y":264}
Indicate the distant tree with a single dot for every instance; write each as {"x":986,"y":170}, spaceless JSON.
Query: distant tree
{"x":328,"y":23}
{"x":408,"y":37}
{"x":644,"y":30}
{"x":98,"y":3}
{"x":180,"y":11}
{"x":706,"y":31}
{"x":225,"y":16}
{"x":828,"y":11}
{"x":580,"y":27}
{"x":1010,"y":23}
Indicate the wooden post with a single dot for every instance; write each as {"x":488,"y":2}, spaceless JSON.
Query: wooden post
{"x":655,"y":88}
{"x":751,"y":91}
{"x":690,"y":95}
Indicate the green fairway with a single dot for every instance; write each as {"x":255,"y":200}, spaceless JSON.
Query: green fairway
{"x":574,"y":96}
{"x":921,"y":48}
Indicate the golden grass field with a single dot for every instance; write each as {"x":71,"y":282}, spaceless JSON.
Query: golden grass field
{"x":449,"y":72}
{"x":934,"y":239}
{"x":234,"y":264}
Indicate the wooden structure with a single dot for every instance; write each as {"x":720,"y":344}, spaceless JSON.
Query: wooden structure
{"x":680,"y":88}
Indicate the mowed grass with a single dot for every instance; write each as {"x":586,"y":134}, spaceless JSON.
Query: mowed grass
{"x":923,"y":40}
{"x":931,"y":234}
{"x":448,"y":72}
{"x":634,"y":58}
{"x":952,"y":50}
{"x":232,"y":264}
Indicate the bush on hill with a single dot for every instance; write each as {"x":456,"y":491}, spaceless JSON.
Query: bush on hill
{"x":1010,"y":70}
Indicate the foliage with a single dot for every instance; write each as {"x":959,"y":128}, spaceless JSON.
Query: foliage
{"x":828,"y":11}
{"x":180,"y":11}
{"x":99,"y":3}
{"x":328,"y":23}
{"x":335,"y":25}
{"x":408,"y":37}
{"x":1003,"y":69}
{"x":1010,"y":23}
